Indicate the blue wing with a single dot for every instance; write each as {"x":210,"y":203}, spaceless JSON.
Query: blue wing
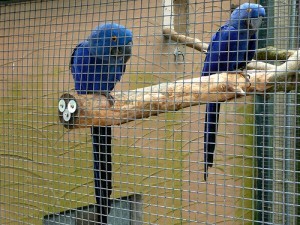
{"x":229,"y":50}
{"x":92,"y":74}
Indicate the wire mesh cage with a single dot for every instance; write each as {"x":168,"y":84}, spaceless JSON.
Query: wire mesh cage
{"x":149,"y":112}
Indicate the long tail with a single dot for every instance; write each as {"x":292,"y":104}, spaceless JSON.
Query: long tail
{"x":210,"y":133}
{"x":102,"y":170}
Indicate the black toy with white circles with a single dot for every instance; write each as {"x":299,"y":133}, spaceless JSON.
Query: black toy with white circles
{"x":67,"y":110}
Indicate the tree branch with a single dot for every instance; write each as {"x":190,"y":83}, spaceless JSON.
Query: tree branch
{"x":257,"y":65}
{"x":95,"y":110}
{"x":272,"y":53}
{"x":182,"y":39}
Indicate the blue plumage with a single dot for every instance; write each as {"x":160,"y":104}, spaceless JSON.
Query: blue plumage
{"x":97,"y":64}
{"x":231,"y":48}
{"x":92,"y":74}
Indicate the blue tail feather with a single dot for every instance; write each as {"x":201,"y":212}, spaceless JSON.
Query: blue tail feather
{"x":210,"y":133}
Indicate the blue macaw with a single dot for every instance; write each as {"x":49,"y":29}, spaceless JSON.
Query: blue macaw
{"x":231,"y":47}
{"x":97,"y":64}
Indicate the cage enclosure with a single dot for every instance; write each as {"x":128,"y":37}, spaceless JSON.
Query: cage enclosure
{"x":109,"y":112}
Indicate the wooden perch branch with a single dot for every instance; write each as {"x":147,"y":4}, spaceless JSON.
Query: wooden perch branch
{"x":272,"y":53}
{"x":88,"y":110}
{"x":257,"y":65}
{"x":182,"y":39}
{"x":144,"y":102}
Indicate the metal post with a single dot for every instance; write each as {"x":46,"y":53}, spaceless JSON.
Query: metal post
{"x":290,"y":157}
{"x":264,"y":129}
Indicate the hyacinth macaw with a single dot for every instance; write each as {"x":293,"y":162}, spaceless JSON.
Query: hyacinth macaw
{"x":231,"y":47}
{"x":97,"y":64}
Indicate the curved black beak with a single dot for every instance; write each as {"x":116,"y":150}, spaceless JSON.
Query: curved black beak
{"x":124,"y":51}
{"x":127,"y":52}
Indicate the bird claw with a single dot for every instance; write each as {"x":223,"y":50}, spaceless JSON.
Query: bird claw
{"x":247,"y":77}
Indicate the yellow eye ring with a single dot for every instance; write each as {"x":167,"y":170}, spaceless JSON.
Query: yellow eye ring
{"x":114,"y":38}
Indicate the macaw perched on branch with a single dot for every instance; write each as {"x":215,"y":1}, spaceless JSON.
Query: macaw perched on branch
{"x":231,"y":48}
{"x":97,"y":64}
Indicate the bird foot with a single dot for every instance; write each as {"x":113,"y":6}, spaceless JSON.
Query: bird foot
{"x":247,"y":76}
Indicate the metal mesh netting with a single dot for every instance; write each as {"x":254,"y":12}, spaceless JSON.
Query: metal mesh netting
{"x":49,"y":171}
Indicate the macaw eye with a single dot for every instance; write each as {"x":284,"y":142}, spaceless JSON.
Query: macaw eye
{"x":114,"y":38}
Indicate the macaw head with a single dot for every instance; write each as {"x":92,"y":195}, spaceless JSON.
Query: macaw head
{"x":247,"y":16}
{"x":111,"y":43}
